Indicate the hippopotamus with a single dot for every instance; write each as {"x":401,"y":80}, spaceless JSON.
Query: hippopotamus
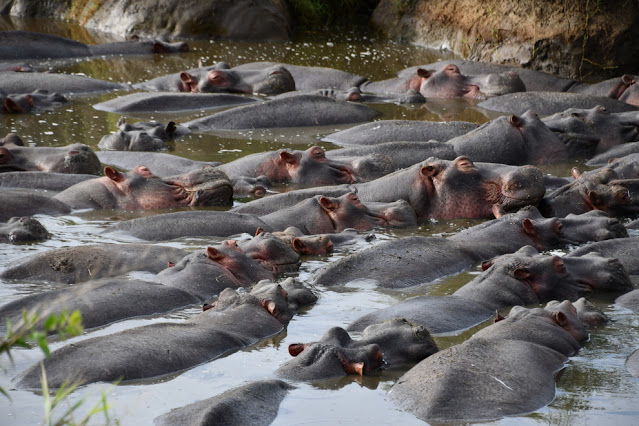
{"x":195,"y":279}
{"x":142,"y":136}
{"x":307,"y":168}
{"x":623,"y":249}
{"x":296,"y":111}
{"x":317,"y":215}
{"x":622,"y":88}
{"x":613,"y":154}
{"x":171,"y":102}
{"x":20,"y":230}
{"x":49,"y":181}
{"x":478,"y":378}
{"x":254,"y":403}
{"x":588,"y":313}
{"x":410,"y":261}
{"x":534,"y":81}
{"x":576,"y":125}
{"x":310,"y":78}
{"x":517,"y":140}
{"x":319,"y":243}
{"x":33,"y":45}
{"x":595,"y":191}
{"x":449,"y":82}
{"x":547,"y":103}
{"x":233,"y":322}
{"x":626,"y":167}
{"x":74,"y":158}
{"x":629,"y":300}
{"x":23,"y":103}
{"x":522,"y":278}
{"x":20,"y":203}
{"x":435,"y":189}
{"x":373,"y":161}
{"x":70,"y":265}
{"x":399,"y":130}
{"x":336,"y":354}
{"x":212,"y":79}
{"x":65,"y":84}
{"x":141,"y":190}
{"x":161,"y":163}
{"x":354,"y":94}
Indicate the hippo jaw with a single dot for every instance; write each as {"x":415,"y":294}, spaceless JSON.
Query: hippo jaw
{"x":518,"y":189}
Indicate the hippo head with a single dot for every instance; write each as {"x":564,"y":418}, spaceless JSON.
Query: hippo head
{"x":459,"y":189}
{"x":594,"y":225}
{"x":147,"y":136}
{"x":243,"y":267}
{"x":446,"y":83}
{"x":273,"y":81}
{"x":23,"y":230}
{"x":303,"y":244}
{"x":626,"y":90}
{"x":566,"y":316}
{"x":597,"y":272}
{"x":348,"y":211}
{"x":208,"y":186}
{"x":603,"y":191}
{"x":310,"y":167}
{"x":273,"y":253}
{"x":77,"y":158}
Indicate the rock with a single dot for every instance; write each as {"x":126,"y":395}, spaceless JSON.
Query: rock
{"x":237,"y":19}
{"x":571,"y":38}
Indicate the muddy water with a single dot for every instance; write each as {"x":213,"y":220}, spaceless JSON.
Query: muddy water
{"x":593,"y":389}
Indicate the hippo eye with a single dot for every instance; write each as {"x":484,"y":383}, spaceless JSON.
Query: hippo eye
{"x":575,"y":114}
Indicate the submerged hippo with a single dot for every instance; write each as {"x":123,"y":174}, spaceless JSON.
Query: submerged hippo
{"x":142,"y":136}
{"x":522,"y":278}
{"x":435,"y":189}
{"x":296,"y":111}
{"x":449,"y":82}
{"x":171,"y":102}
{"x":417,"y":260}
{"x":384,"y":345}
{"x":33,"y":45}
{"x":317,"y":215}
{"x":141,"y":190}
{"x":212,"y":79}
{"x":75,"y":158}
{"x":477,"y":378}
{"x":593,"y":191}
{"x":233,"y":322}
{"x":28,"y":102}
{"x":19,"y":230}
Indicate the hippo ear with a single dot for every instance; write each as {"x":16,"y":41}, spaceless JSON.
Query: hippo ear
{"x":113,"y":174}
{"x":296,"y":348}
{"x":575,"y":172}
{"x":214,"y":254}
{"x":487,"y":264}
{"x":424,"y":73}
{"x":521,"y":273}
{"x":29,"y":100}
{"x":12,"y":107}
{"x":627,"y":80}
{"x":327,"y":204}
{"x":561,"y":318}
{"x":287,"y":157}
{"x":157,"y":47}
{"x":528,"y":226}
{"x":498,"y":317}
{"x":429,"y":171}
{"x":186,"y":77}
{"x":515,"y":121}
{"x":298,"y":245}
{"x":170,"y":128}
{"x":259,"y":231}
{"x":595,"y":199}
{"x":121,"y":121}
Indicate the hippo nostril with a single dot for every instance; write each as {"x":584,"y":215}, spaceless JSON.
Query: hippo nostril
{"x":73,"y":152}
